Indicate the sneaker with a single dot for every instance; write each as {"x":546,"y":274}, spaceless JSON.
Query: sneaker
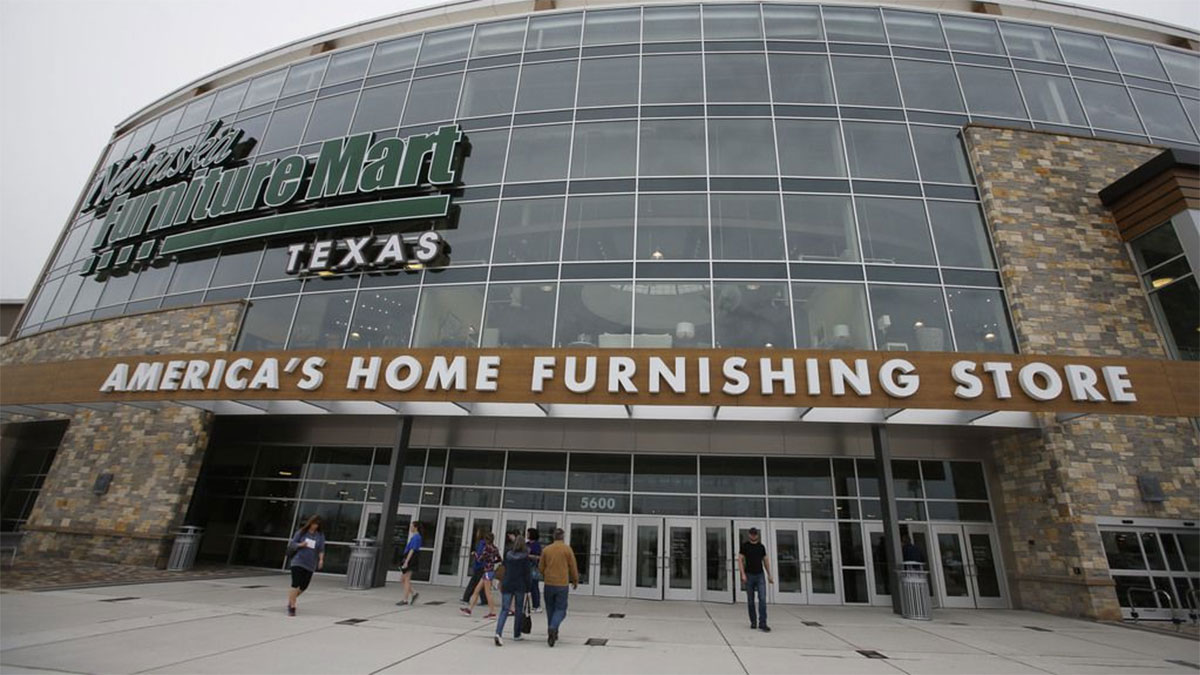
{"x":552,"y":637}
{"x":402,"y":603}
{"x":291,"y":611}
{"x":753,"y":626}
{"x":414,"y":598}
{"x":765,"y":628}
{"x":518,"y":638}
{"x":465,"y":611}
{"x":490,"y":615}
{"x":496,"y":639}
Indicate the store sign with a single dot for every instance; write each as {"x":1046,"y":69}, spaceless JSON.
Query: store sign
{"x":199,"y":196}
{"x":797,"y":378}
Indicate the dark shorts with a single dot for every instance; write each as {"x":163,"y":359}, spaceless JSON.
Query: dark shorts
{"x":413,"y":566}
{"x":301,"y":578}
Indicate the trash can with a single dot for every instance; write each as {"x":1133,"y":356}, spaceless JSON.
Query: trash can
{"x":914,"y":591}
{"x":360,"y":571}
{"x":183,"y":552}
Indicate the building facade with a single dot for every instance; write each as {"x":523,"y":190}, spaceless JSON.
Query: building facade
{"x":734,"y":258}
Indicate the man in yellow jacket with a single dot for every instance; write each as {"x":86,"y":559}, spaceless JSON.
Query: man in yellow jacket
{"x":558,"y":568}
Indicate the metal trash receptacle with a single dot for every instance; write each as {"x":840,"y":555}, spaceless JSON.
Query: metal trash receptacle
{"x":914,"y":591}
{"x":360,"y":571}
{"x":185,"y":548}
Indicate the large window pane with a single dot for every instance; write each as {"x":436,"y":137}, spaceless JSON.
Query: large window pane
{"x":321,"y":321}
{"x":151,"y":283}
{"x":536,"y":470}
{"x":909,"y":318}
{"x":485,"y":163}
{"x":736,"y":78}
{"x":972,"y":35}
{"x":879,"y":151}
{"x":604,"y":150}
{"x":446,"y":45}
{"x":1051,"y":99}
{"x":347,"y":66}
{"x":1156,"y":247}
{"x":741,"y":147}
{"x":262,"y":89}
{"x":929,"y":85}
{"x":432,"y":99}
{"x":1137,"y":59}
{"x":672,"y":314}
{"x":449,"y":316}
{"x":853,"y":25}
{"x":191,"y":275}
{"x":672,"y":78}
{"x":664,"y":24}
{"x":330,"y":117}
{"x":519,"y":315}
{"x":672,"y":148}
{"x":958,"y":230}
{"x":611,"y":26}
{"x":304,"y":77}
{"x":1178,"y":307}
{"x":752,"y":314}
{"x":953,"y":480}
{"x":830,"y":316}
{"x":913,"y":29}
{"x":1085,"y":50}
{"x":801,"y":476}
{"x":732,"y":22}
{"x":236,"y":267}
{"x":379,"y":108}
{"x":1108,"y":106}
{"x":1030,"y":42}
{"x":672,"y":227}
{"x":980,"y":322}
{"x":471,"y":242}
{"x":820,"y":227}
{"x":538,"y":153}
{"x":599,"y":228}
{"x":608,"y":81}
{"x":529,"y":230}
{"x":266,"y":324}
{"x":746,"y":227}
{"x":865,"y":81}
{"x":732,"y":475}
{"x":285,"y":128}
{"x":498,"y":38}
{"x":595,"y":314}
{"x":395,"y":55}
{"x":475,"y":467}
{"x":792,"y":22}
{"x":552,"y":32}
{"x":810,"y":148}
{"x":1163,"y":115}
{"x":488,"y":92}
{"x":1183,"y":67}
{"x":599,"y":472}
{"x":940,"y":155}
{"x":990,"y":91}
{"x":800,"y":78}
{"x":894,"y":231}
{"x":382,"y":318}
{"x":547,"y":86}
{"x":664,"y":473}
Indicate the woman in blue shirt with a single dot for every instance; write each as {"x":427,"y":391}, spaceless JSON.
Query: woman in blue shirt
{"x":411,"y":558}
{"x":307,"y":549}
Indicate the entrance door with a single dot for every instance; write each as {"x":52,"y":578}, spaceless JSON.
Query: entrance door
{"x":649,"y":566}
{"x":600,"y":544}
{"x":806,"y":562}
{"x":719,"y":563}
{"x":881,"y":578}
{"x":679,"y":558}
{"x":459,"y":529}
{"x":741,"y":530}
{"x":399,"y":539}
{"x":969,"y":566}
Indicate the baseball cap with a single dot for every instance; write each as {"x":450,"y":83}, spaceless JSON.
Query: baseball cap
{"x":754,"y":530}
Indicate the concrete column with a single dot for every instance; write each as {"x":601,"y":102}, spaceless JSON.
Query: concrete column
{"x":391,"y":499}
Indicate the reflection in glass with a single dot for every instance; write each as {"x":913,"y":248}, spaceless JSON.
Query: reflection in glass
{"x":538,"y":153}
{"x":321,"y":321}
{"x":679,"y":557}
{"x":820,"y":227}
{"x":395,"y":55}
{"x":987,"y":577}
{"x":529,"y":230}
{"x":879,"y":150}
{"x":810,"y":148}
{"x":1178,"y":307}
{"x":116,"y":291}
{"x":471,"y":241}
{"x":519,"y":315}
{"x":604,"y":150}
{"x":452,"y":542}
{"x":446,"y":45}
{"x":611,"y":26}
{"x":553,"y":32}
{"x":262,"y":89}
{"x":449,"y":316}
{"x":941,"y":155}
{"x":929,"y":85}
{"x":954,"y":574}
{"x":672,"y":227}
{"x":646,"y":552}
{"x":330,"y":117}
{"x":664,"y":473}
{"x":1051,"y":99}
{"x":612,"y":554}
{"x":488,"y":92}
{"x":787,"y":552}
{"x":831,"y":316}
{"x":285,"y":128}
{"x":599,"y":228}
{"x":800,"y":78}
{"x":580,"y":535}
{"x":909,"y":318}
{"x":500,"y":37}
{"x":1137,"y":59}
{"x":894,"y":231}
{"x":379,"y":108}
{"x":972,"y":35}
{"x":991,"y":91}
{"x":547,"y":86}
{"x":980,"y":322}
{"x":1085,"y":50}
{"x":848,"y":24}
{"x":741,"y":147}
{"x":865,"y":81}
{"x":671,"y":314}
{"x":746,"y":227}
{"x":792,"y":22}
{"x":731,"y":475}
{"x":670,"y":23}
{"x":608,"y":81}
{"x":795,"y":476}
{"x":914,"y":29}
{"x":672,"y":78}
{"x":266,"y":324}
{"x":536,"y":470}
{"x":1163,"y":115}
{"x":959,"y":233}
{"x":672,"y":148}
{"x":1030,"y":42}
{"x":1108,"y":106}
{"x":732,"y":22}
{"x":347,"y":66}
{"x":752,"y":314}
{"x":821,"y":562}
{"x":595,"y":314}
{"x":432,"y":99}
{"x":736,"y":78}
{"x":304,"y":77}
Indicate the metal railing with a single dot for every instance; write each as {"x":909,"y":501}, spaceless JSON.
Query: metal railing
{"x":1154,"y":593}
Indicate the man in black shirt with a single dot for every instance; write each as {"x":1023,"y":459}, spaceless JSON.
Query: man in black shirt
{"x":754,"y":566}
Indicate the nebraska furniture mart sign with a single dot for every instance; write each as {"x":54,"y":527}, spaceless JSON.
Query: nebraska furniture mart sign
{"x":632,"y":377}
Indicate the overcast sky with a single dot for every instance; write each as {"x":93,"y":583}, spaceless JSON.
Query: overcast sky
{"x":72,"y":69}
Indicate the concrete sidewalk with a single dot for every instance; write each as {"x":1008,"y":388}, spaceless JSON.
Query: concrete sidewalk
{"x":240,"y":626}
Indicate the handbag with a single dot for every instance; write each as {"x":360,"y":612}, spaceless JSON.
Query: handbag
{"x":526,"y":619}
{"x":499,"y":572}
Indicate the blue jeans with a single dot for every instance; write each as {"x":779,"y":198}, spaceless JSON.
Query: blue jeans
{"x":508,"y":600}
{"x":556,"y":605}
{"x":535,"y":594}
{"x":757,"y":583}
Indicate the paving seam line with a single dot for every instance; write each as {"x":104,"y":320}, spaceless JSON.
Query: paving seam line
{"x":986,"y":651}
{"x":122,"y":630}
{"x":722,"y":634}
{"x":428,"y":649}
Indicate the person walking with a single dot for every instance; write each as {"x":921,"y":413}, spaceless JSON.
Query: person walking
{"x":410,"y":561}
{"x":307,"y":549}
{"x":558,"y":568}
{"x":534,"y":544}
{"x":489,"y":558}
{"x":518,"y":575}
{"x":755,"y":569}
{"x":476,"y":566}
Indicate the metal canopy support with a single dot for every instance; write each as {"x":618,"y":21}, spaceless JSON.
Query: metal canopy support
{"x":887,"y":502}
{"x":391,"y":499}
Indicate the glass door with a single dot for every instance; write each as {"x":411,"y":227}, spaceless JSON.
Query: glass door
{"x":679,"y":571}
{"x":611,"y":572}
{"x":787,"y":544}
{"x":719,"y":563}
{"x":987,"y":579}
{"x":648,"y":561}
{"x":404,"y":518}
{"x":968,"y":563}
{"x":741,"y":529}
{"x":955,"y":585}
{"x":1145,"y":560}
{"x":881,"y":579}
{"x":581,"y":537}
{"x":821,"y":566}
{"x":460,"y":530}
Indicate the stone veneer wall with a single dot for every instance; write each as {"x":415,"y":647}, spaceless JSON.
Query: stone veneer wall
{"x":154,"y":455}
{"x":1072,"y":290}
